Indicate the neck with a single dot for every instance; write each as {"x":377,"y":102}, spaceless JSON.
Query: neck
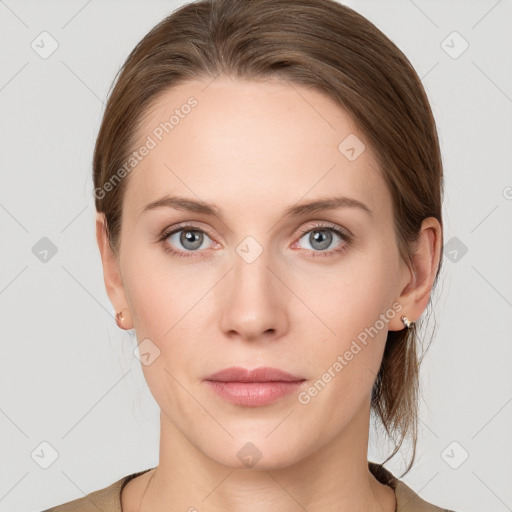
{"x":333,"y":478}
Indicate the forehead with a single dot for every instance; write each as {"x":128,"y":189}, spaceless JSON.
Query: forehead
{"x":256,"y":143}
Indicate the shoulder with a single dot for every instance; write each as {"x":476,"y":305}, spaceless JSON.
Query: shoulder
{"x":107,"y":499}
{"x":407,"y":500}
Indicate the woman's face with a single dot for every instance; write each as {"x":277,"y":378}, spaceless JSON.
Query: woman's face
{"x":252,"y":285}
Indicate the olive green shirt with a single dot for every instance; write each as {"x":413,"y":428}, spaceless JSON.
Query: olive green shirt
{"x":109,"y":498}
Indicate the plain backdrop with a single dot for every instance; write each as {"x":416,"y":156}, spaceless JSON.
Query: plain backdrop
{"x":73,"y":397}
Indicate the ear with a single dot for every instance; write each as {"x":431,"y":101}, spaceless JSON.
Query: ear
{"x":419,"y":279}
{"x":111,"y":272}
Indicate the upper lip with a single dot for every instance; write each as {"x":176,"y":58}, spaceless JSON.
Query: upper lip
{"x":263,"y":374}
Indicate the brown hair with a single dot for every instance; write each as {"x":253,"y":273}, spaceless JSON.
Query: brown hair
{"x":333,"y":49}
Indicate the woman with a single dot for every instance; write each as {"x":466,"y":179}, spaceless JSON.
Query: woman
{"x":268,"y":186}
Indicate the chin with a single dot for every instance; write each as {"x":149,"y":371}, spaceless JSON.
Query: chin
{"x":258,"y":452}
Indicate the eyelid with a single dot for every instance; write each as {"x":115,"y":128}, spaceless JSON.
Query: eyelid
{"x":167,"y":232}
{"x":322,"y":224}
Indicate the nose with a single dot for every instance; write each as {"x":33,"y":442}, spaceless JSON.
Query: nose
{"x":255,"y":300}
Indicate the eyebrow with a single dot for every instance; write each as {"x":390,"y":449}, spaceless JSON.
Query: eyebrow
{"x":317,"y":205}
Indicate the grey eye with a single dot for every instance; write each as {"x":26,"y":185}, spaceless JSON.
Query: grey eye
{"x":320,"y":238}
{"x":189,"y":239}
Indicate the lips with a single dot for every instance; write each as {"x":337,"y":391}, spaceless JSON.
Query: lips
{"x":253,"y":388}
{"x":263,"y":374}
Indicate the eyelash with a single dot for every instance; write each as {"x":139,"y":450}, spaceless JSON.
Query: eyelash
{"x":315,"y":254}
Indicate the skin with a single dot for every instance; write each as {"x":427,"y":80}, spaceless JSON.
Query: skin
{"x":254,"y":148}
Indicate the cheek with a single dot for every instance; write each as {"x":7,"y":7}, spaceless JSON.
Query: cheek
{"x":349,"y":359}
{"x":352,"y":310}
{"x":166,"y":298}
{"x":153,"y":287}
{"x":160,"y":305}
{"x":348,"y":298}
{"x":163,"y":310}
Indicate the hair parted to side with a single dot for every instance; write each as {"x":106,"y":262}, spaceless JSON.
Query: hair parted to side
{"x":333,"y":49}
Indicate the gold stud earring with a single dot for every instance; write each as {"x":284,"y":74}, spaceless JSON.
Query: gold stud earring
{"x":406,"y":322}
{"x":119,"y":319}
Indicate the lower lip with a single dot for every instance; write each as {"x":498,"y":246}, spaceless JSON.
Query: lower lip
{"x":253,"y":394}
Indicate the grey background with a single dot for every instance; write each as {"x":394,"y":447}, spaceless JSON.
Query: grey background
{"x":68,"y":375}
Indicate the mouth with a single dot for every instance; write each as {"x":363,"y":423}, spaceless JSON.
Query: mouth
{"x":253,"y":388}
{"x":263,"y":374}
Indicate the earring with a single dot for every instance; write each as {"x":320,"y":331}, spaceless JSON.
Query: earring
{"x":406,"y":322}
{"x":119,"y":319}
